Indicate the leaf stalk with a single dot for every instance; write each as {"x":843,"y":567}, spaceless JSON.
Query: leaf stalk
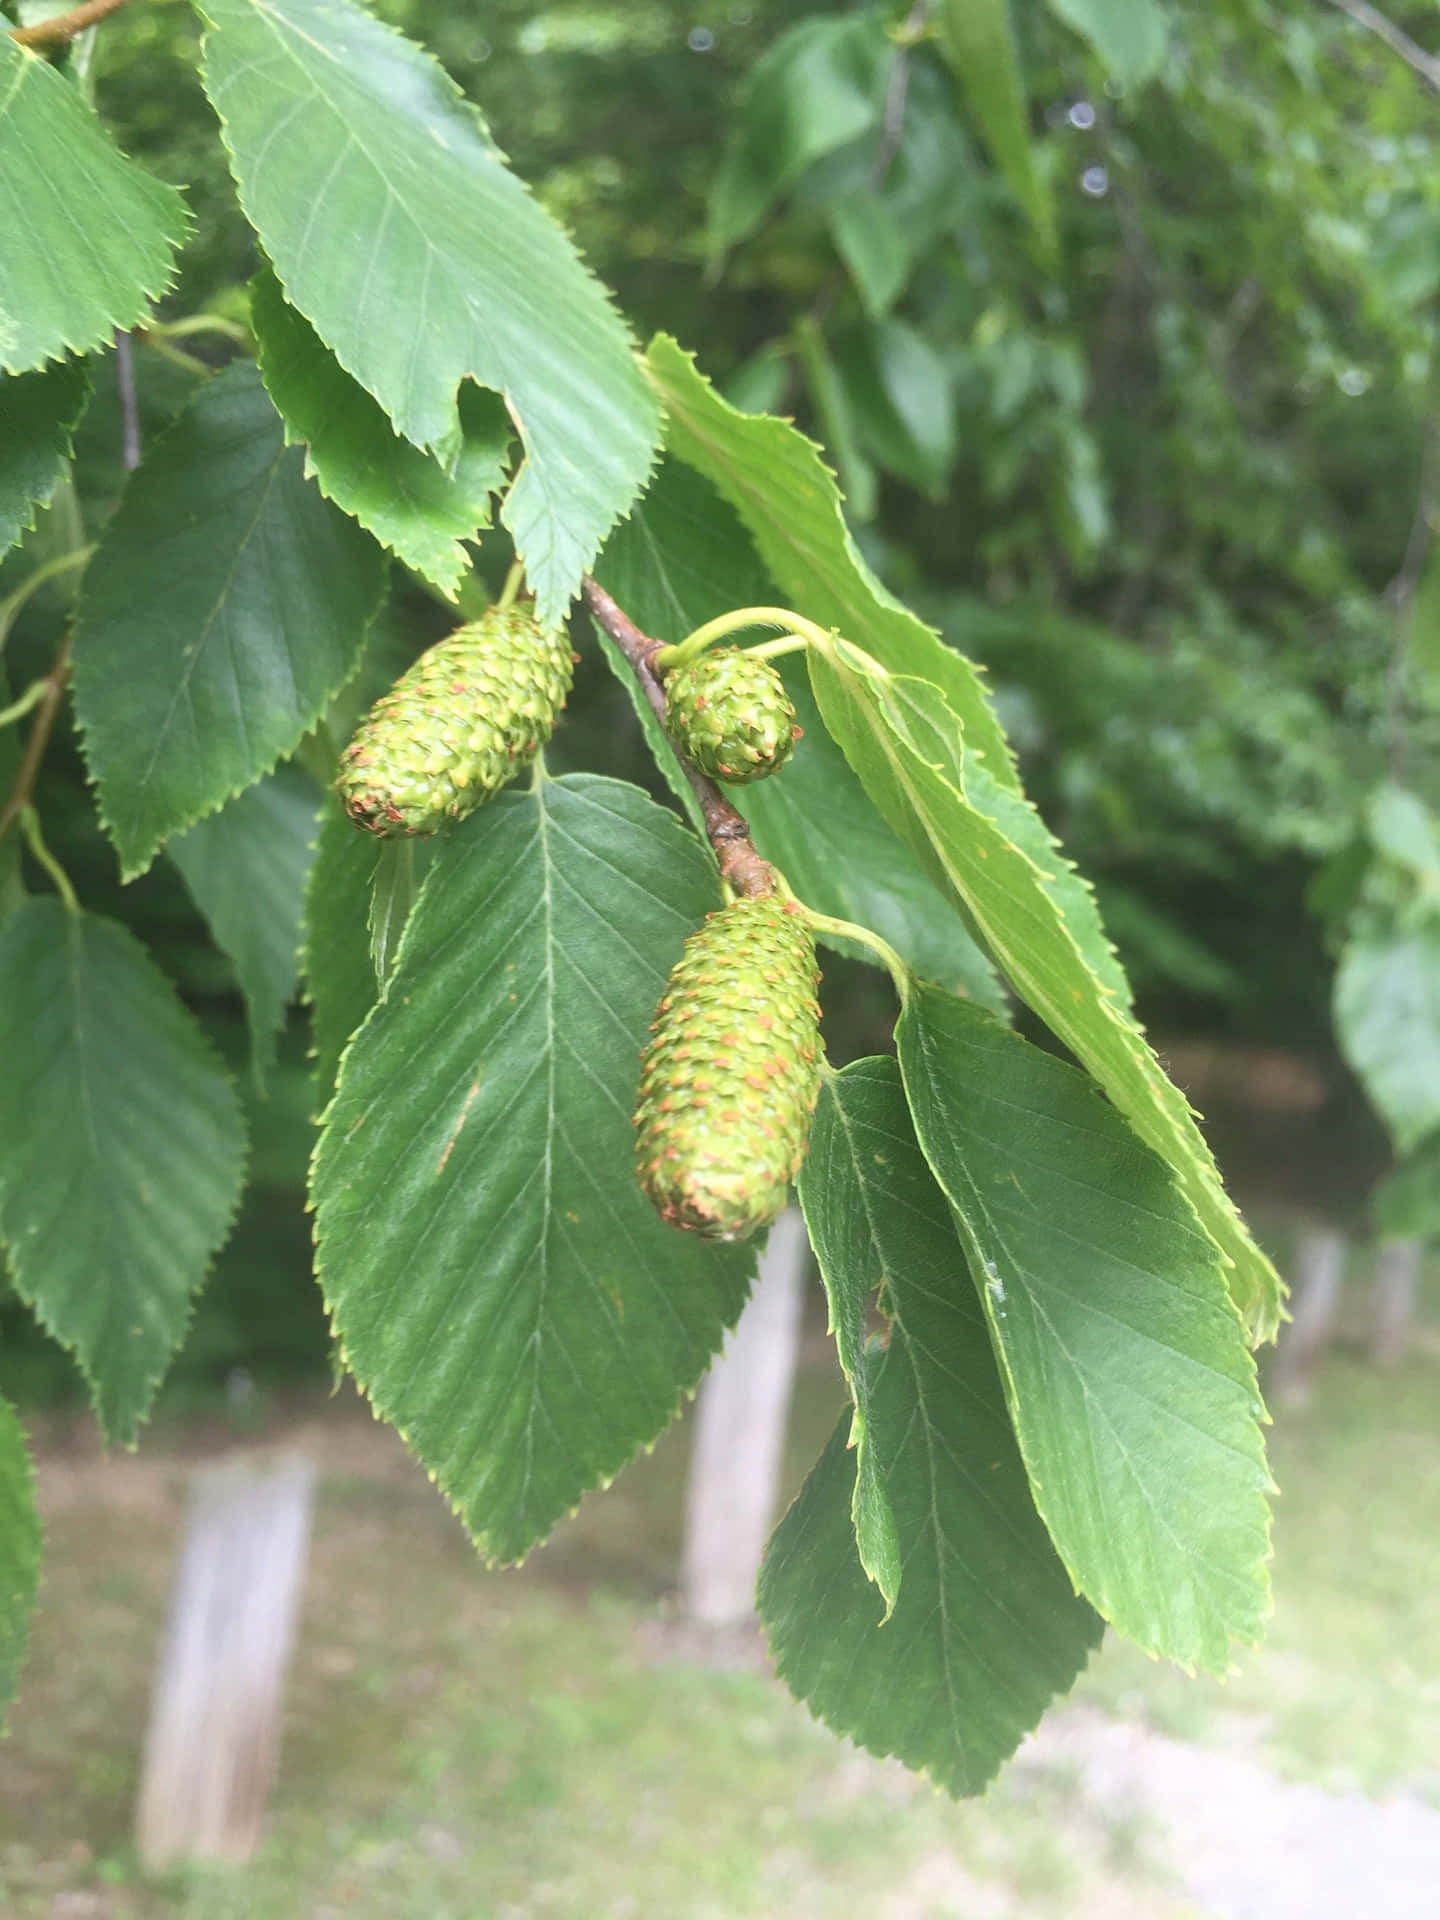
{"x":47,"y":707}
{"x":64,"y":26}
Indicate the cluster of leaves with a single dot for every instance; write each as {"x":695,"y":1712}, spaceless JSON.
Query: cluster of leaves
{"x":1060,"y":1426}
{"x":1381,"y":896}
{"x":1173,"y":366}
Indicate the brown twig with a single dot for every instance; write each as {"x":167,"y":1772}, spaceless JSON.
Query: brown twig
{"x":897,"y":89}
{"x":64,"y":26}
{"x":129,"y":402}
{"x":1398,"y":41}
{"x":740,"y":865}
{"x":40,"y":730}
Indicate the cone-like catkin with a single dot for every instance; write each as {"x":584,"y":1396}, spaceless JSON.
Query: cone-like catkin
{"x":454,"y":728}
{"x":729,"y":1082}
{"x":730,"y":715}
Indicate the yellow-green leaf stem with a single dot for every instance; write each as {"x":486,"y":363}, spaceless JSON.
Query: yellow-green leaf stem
{"x":795,"y":626}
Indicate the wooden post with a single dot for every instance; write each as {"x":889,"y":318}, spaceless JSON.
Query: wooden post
{"x":740,"y":1419}
{"x":1396,"y":1295}
{"x":1319,"y":1277}
{"x":215,"y":1716}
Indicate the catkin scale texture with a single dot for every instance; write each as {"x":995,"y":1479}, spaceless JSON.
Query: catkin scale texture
{"x":457,"y":725}
{"x":730,"y":715}
{"x":729,"y":1081}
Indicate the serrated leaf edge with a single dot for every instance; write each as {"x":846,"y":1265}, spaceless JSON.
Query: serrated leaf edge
{"x":1191,"y":1219}
{"x":885,"y":1751}
{"x":152,"y":853}
{"x":1007,"y":774}
{"x":1257,"y":1320}
{"x":64,"y":451}
{"x":685,"y":1391}
{"x":547,"y":610}
{"x":125,"y":317}
{"x":129,"y":1437}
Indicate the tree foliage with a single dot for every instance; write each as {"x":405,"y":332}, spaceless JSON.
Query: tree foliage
{"x":1081,"y":284}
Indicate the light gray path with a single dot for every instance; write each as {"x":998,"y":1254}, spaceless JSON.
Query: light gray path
{"x":1243,"y":1844}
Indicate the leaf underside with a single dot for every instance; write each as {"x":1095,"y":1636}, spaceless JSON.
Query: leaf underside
{"x":1038,"y":920}
{"x":422,"y":510}
{"x":683,"y":557}
{"x":986,"y":1627}
{"x":1130,"y":1383}
{"x":499,"y":1285}
{"x":777,"y":482}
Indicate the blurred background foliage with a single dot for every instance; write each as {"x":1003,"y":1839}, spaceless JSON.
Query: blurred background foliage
{"x":1119,"y":327}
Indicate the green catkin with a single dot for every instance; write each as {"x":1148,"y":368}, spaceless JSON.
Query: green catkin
{"x":457,"y":725}
{"x":730,"y":715}
{"x":728,"y":1083}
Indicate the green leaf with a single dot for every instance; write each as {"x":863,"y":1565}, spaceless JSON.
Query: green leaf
{"x":502,"y":1290}
{"x":784,"y":493}
{"x":820,"y":86}
{"x":226,"y":606}
{"x":1425,"y":617}
{"x":420,"y":260}
{"x":246,"y":869}
{"x":873,"y":246}
{"x":838,"y":421}
{"x":986,"y":1627}
{"x":1404,"y":829}
{"x":683,"y":557}
{"x":419,"y":508}
{"x":837,"y":1194}
{"x":1405,"y":1203}
{"x":122,"y":1149}
{"x":12,"y":884}
{"x":1125,"y":1365}
{"x":1038,"y":920}
{"x":899,"y":392}
{"x":339,"y":973}
{"x":38,"y":414}
{"x":89,"y":237}
{"x":1387,"y":1020}
{"x":977,"y":39}
{"x":818,"y":825}
{"x":1128,"y":35}
{"x":20,"y":1543}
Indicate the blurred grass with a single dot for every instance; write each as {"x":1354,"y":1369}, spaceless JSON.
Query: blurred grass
{"x":557,"y":1741}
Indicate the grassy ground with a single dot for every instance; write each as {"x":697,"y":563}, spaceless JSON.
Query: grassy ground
{"x":555,"y":1741}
